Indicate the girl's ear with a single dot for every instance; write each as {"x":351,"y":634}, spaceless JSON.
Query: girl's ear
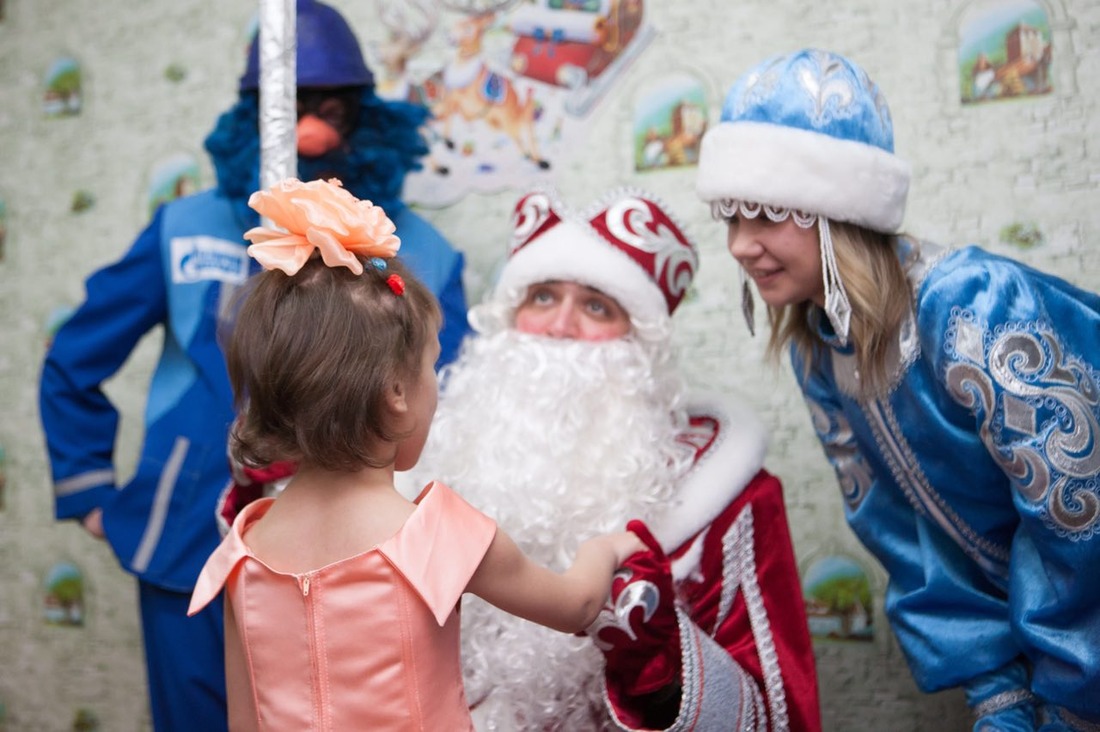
{"x":396,"y":398}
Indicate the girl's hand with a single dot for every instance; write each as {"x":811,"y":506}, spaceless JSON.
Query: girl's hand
{"x":630,"y":545}
{"x":622,"y":544}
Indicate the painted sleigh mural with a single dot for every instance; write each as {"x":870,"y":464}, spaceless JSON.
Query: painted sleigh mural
{"x":578,"y":45}
{"x":509,"y":92}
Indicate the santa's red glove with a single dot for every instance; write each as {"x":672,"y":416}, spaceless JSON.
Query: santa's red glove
{"x":637,"y":629}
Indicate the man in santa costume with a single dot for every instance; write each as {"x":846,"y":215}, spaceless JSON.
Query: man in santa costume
{"x":564,"y":417}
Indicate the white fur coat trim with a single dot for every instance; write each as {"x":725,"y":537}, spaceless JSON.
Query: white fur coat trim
{"x":807,"y":171}
{"x":719,"y":475}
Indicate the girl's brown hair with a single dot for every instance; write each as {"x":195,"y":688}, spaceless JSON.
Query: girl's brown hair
{"x":312,"y":357}
{"x":879,"y":292}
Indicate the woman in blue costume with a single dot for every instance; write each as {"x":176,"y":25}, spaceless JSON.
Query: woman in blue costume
{"x":956,"y":393}
{"x":179,"y":277}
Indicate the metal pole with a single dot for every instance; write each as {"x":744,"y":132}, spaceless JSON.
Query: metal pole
{"x":278,"y":98}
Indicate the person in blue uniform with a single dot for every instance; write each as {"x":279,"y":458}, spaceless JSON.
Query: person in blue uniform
{"x":956,"y":392}
{"x":180,"y":275}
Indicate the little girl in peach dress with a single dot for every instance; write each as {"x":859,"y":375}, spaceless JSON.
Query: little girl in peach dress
{"x":342,"y":595}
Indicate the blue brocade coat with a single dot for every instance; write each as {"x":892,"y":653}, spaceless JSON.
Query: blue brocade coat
{"x":975,"y":480}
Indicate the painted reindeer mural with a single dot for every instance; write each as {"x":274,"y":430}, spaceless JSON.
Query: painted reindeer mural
{"x":468,"y":88}
{"x":409,"y":24}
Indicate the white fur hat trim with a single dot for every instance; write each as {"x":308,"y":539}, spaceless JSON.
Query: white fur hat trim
{"x":788,"y":167}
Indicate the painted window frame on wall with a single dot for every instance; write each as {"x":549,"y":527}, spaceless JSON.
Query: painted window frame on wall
{"x":1034,"y":60}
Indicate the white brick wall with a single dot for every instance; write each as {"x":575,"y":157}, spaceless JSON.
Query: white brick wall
{"x":976,"y":170}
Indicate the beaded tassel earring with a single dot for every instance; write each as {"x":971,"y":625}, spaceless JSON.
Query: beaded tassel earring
{"x":837,"y":307}
{"x":748,"y":304}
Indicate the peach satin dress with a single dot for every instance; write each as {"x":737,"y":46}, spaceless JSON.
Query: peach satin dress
{"x":367,"y":643}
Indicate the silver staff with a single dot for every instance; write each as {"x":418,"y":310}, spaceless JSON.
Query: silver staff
{"x":278,"y":100}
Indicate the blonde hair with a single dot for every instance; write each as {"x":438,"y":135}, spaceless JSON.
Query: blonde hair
{"x":879,"y":292}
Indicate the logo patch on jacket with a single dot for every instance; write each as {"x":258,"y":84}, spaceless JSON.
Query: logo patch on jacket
{"x":203,"y":258}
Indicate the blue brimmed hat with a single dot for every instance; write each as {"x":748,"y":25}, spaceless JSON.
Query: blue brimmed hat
{"x":328,"y":51}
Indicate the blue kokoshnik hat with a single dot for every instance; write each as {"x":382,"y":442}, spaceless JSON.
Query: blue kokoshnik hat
{"x":807,"y":133}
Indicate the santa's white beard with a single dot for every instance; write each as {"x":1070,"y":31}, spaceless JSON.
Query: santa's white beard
{"x":558,"y":441}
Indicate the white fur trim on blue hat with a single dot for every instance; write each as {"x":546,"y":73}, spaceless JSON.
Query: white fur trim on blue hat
{"x":792,"y":168}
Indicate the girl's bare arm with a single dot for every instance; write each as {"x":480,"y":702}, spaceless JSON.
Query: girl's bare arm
{"x":568,"y":601}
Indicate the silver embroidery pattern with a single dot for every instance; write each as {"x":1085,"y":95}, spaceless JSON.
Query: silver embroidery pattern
{"x":910,"y":476}
{"x":825,"y":84}
{"x":835,"y":433}
{"x":642,"y":594}
{"x":631,"y":220}
{"x":1039,"y":412}
{"x":692,"y":690}
{"x":760,"y":86}
{"x":691,"y":680}
{"x":1002,"y":701}
{"x":755,"y":713}
{"x":824,"y":81}
{"x":883,"y":110}
{"x":739,"y":573}
{"x":533,"y":211}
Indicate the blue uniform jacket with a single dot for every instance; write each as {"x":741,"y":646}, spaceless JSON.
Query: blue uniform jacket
{"x":180,"y":273}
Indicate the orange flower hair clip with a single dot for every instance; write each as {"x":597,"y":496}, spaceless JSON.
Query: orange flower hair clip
{"x":319,"y":215}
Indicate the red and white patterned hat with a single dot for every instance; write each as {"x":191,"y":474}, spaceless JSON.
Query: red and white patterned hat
{"x":627,"y":246}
